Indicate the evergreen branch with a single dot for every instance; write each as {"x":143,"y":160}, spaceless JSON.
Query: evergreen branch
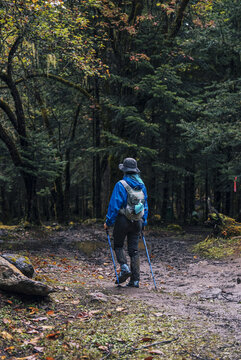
{"x":125,"y":144}
{"x":140,"y":123}
{"x":174,"y":168}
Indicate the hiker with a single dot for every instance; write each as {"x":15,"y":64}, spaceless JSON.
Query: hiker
{"x":128,"y":212}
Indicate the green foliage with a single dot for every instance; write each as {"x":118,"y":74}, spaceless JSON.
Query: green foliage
{"x":99,"y":81}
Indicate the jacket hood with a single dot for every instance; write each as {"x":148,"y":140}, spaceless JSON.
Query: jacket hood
{"x":134,"y":183}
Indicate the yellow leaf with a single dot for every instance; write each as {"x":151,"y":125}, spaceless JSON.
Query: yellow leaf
{"x":100,"y":277}
{"x":35,"y":340}
{"x":5,"y":335}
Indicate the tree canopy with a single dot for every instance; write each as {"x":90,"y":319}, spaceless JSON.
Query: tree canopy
{"x":85,"y":84}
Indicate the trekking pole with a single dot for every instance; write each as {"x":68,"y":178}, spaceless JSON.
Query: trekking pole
{"x":112,"y":255}
{"x":148,"y":258}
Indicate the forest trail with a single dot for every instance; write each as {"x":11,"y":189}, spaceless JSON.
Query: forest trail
{"x":197,"y":303}
{"x":204,"y":290}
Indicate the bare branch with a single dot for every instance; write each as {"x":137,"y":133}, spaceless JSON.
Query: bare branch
{"x":12,"y":53}
{"x":137,"y":7}
{"x":6,"y":108}
{"x":9,"y":142}
{"x":58,"y":79}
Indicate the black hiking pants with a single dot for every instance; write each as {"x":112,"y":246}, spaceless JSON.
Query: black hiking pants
{"x":132,"y":229}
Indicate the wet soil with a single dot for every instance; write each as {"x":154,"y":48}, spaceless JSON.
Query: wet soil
{"x":204,"y":292}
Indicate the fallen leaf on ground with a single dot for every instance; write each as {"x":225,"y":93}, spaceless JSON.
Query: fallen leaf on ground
{"x":5,"y":335}
{"x":34,"y":310}
{"x":83,"y":315}
{"x":9,"y":348}
{"x":19,"y":331}
{"x":119,"y":309}
{"x":146,"y":339}
{"x":103,"y":348}
{"x":53,"y":336}
{"x":47,"y":327}
{"x":50,"y":313}
{"x":39,"y":349}
{"x":149,"y":358}
{"x":75,"y":302}
{"x":35,"y":340}
{"x":156,"y":352}
{"x":40,"y":318}
{"x":158,"y":314}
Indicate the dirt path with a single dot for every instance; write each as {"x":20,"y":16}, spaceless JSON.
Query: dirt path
{"x":198,"y":301}
{"x":206,"y":291}
{"x":188,"y":286}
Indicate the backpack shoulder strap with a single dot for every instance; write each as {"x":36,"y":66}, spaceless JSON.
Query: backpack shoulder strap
{"x":126,"y":186}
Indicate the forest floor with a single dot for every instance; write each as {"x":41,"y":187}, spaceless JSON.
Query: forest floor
{"x":194,"y":314}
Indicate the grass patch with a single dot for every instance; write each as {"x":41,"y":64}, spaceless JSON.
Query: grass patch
{"x":53,"y":330}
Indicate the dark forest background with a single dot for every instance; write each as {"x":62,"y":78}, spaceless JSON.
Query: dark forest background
{"x":84,"y":84}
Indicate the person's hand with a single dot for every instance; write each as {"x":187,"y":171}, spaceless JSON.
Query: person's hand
{"x":105,"y":226}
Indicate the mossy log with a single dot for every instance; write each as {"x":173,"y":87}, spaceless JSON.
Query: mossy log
{"x":13,"y":280}
{"x":224,"y":226}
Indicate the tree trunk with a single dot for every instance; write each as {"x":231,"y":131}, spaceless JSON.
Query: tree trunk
{"x":97,"y":166}
{"x":4,"y":206}
{"x":228,"y":203}
{"x":165,"y":198}
{"x":32,"y":211}
{"x":60,"y":208}
{"x":67,"y":166}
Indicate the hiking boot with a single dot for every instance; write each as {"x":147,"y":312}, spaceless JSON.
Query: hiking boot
{"x":124,"y":273}
{"x":132,"y":283}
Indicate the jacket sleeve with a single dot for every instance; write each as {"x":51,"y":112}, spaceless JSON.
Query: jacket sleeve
{"x":144,"y":218}
{"x":117,"y":201}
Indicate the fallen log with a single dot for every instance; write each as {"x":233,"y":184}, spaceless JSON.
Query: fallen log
{"x":13,"y":280}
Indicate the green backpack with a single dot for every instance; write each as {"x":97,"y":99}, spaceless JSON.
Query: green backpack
{"x":134,"y":210}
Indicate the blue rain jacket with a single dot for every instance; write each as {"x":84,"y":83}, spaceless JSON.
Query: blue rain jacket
{"x":119,"y":200}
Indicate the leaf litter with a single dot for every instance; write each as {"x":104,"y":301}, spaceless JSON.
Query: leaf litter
{"x":132,"y":323}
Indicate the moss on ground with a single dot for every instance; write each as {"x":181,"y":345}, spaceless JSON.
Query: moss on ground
{"x":218,"y":248}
